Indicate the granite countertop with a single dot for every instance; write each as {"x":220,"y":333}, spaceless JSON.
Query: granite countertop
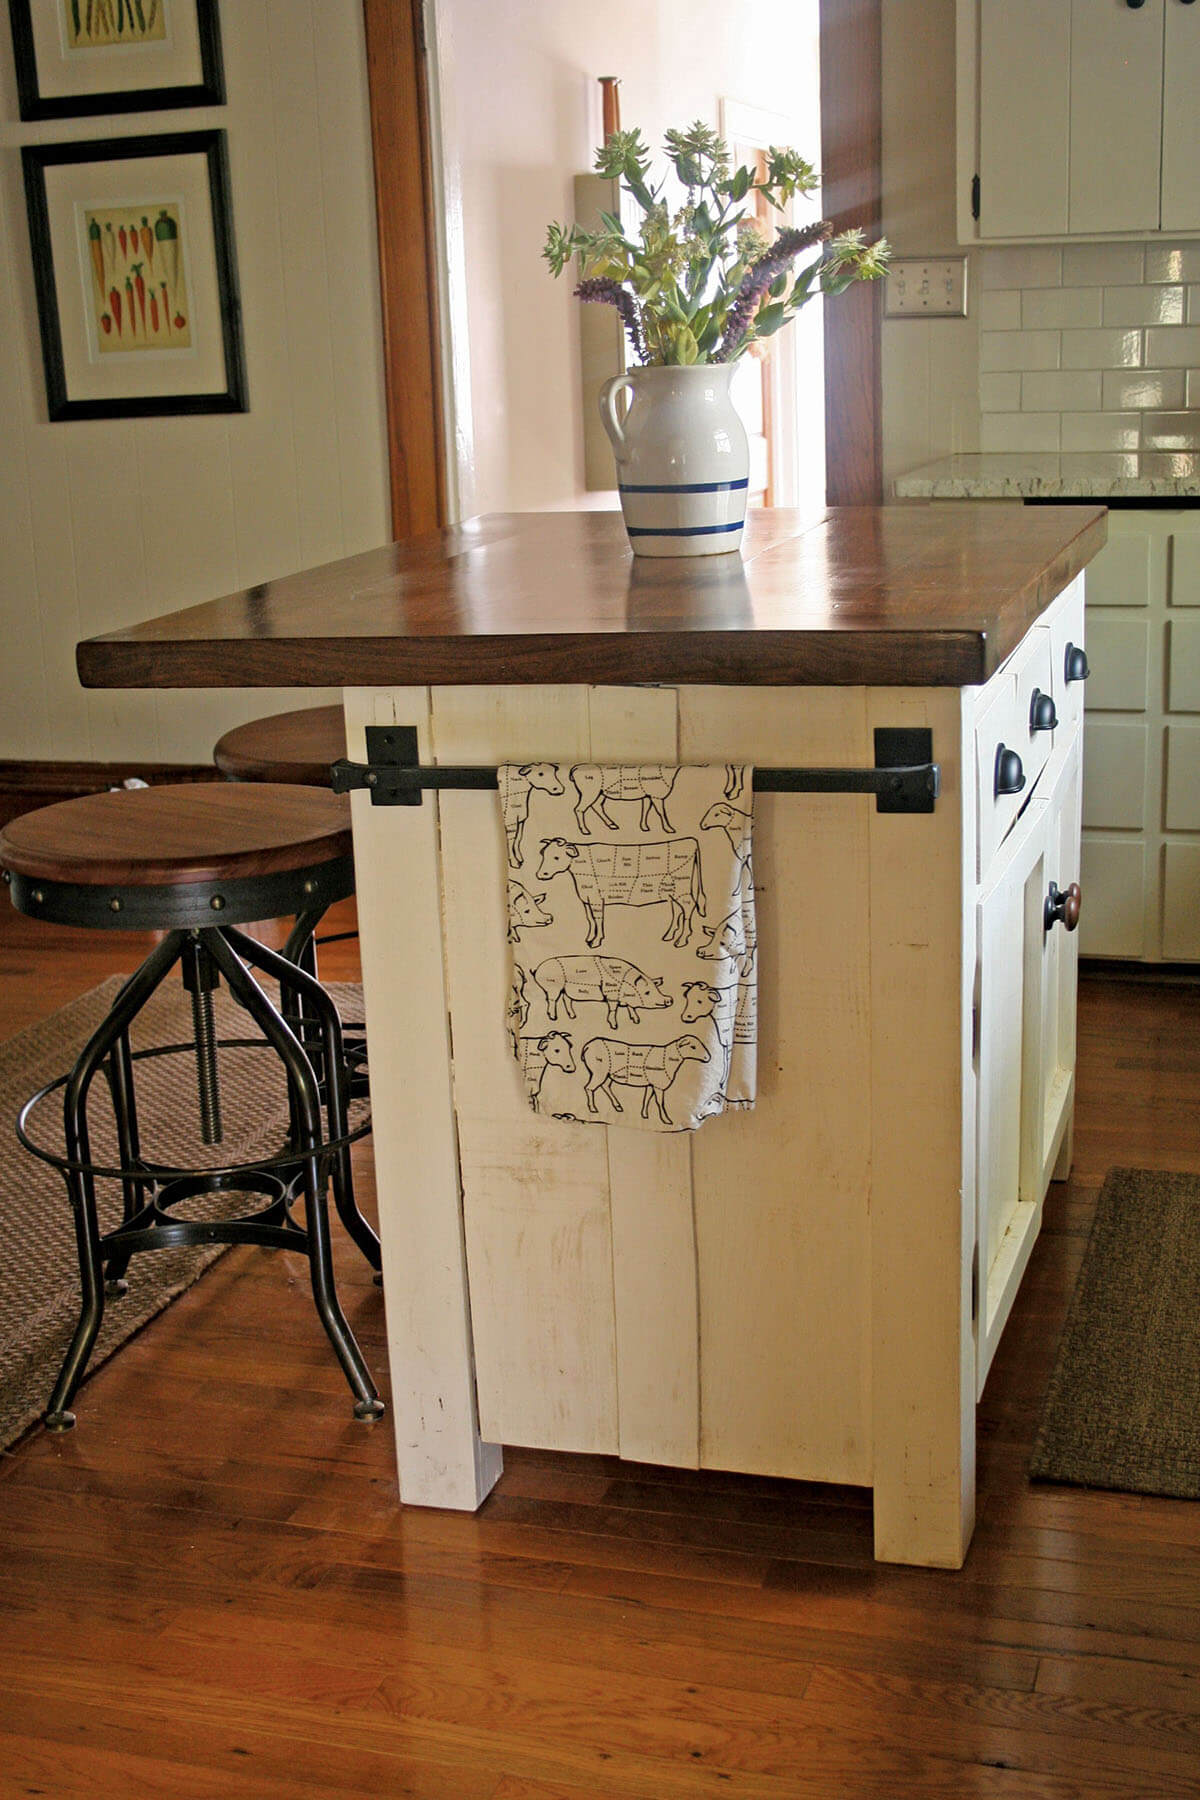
{"x":1056,"y":475}
{"x":891,"y":595}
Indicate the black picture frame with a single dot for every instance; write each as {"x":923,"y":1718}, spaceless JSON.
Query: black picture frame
{"x":230,"y":394}
{"x":207,"y":90}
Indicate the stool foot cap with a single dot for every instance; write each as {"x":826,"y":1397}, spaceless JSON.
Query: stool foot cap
{"x":116,"y":1290}
{"x":59,"y":1421}
{"x":368,"y":1409}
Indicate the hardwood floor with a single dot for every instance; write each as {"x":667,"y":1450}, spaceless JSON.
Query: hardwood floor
{"x":208,"y":1589}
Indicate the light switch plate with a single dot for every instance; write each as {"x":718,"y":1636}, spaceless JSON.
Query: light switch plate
{"x":927,"y":287}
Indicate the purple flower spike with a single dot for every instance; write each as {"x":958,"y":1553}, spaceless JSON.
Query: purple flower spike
{"x":611,"y":293}
{"x":758,"y":278}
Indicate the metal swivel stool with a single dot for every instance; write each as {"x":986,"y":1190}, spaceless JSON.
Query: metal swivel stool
{"x":195,"y":862}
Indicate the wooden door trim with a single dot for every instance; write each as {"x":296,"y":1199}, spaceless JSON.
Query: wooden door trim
{"x":851,"y":163}
{"x":400,"y":138}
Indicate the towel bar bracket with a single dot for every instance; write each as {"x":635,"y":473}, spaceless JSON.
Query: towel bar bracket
{"x":905,"y":779}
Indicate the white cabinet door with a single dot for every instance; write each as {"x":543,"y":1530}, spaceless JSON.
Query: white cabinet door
{"x":1181,"y":119}
{"x":1009,"y":1030}
{"x":1050,"y":1123}
{"x":1116,"y":114}
{"x":1024,"y":83}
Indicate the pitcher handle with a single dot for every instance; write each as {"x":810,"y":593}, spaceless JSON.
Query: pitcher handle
{"x":608,"y":409}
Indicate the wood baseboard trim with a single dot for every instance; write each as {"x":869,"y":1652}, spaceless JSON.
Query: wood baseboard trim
{"x":24,"y":785}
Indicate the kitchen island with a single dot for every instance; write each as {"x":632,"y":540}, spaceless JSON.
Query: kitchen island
{"x":813,"y":1288}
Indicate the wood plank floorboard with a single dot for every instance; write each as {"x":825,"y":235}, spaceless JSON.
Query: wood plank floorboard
{"x":208,"y":1589}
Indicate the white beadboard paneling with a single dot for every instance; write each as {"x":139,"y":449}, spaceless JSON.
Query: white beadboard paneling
{"x":1049,"y":309}
{"x":1115,"y":349}
{"x":1143,"y":305}
{"x":105,"y":522}
{"x":1163,"y":388}
{"x":1074,"y":390}
{"x":1019,"y":350}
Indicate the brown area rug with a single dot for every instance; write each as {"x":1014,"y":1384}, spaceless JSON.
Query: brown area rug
{"x":39,"y":1273}
{"x":1123,"y":1406}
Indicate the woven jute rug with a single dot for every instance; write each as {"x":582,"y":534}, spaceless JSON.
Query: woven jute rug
{"x":1123,"y":1406}
{"x":39,"y":1271}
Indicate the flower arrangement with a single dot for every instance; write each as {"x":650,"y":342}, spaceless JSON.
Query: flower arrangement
{"x":703,"y":283}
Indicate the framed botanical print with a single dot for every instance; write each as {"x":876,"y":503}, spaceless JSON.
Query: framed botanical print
{"x":105,"y":56}
{"x":131,"y":242}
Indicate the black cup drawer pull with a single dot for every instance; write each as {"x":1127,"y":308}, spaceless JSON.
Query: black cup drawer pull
{"x":1042,"y":715}
{"x":1062,"y":906}
{"x":1076,"y":664}
{"x":1010,"y":776}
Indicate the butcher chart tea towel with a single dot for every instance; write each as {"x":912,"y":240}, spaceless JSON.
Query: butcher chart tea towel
{"x":631,"y":921}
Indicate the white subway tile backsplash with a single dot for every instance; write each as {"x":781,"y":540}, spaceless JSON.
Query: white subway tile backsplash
{"x":1172,"y":262}
{"x":1075,"y":390}
{"x":1018,"y":350}
{"x":1019,"y":431}
{"x":1143,"y":305}
{"x":1000,"y":393}
{"x":1093,"y":348}
{"x":1171,"y":431}
{"x":1122,"y":389}
{"x":1051,"y":309}
{"x":1101,"y":349}
{"x":1100,"y":265}
{"x":1100,"y":431}
{"x":1000,"y":310}
{"x":1022,"y":266}
{"x":1178,"y":349}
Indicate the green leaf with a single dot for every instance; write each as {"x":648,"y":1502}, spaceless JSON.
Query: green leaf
{"x":769,"y":320}
{"x":778,"y":287}
{"x":685,"y":346}
{"x":739,"y":187}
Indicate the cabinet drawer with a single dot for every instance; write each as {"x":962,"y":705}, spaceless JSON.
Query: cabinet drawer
{"x":1008,"y":728}
{"x":1065,"y":629}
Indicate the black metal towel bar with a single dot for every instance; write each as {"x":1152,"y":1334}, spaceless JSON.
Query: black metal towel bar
{"x":904,"y":779}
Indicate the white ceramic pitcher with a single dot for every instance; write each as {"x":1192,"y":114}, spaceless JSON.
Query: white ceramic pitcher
{"x":683,"y":459}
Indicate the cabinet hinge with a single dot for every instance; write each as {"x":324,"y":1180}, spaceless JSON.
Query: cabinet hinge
{"x":975,"y":1284}
{"x":974,"y":196}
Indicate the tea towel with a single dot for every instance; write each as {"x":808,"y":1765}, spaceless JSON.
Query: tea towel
{"x":631,"y":925}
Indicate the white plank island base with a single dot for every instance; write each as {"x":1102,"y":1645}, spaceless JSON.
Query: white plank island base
{"x":813,"y":1289}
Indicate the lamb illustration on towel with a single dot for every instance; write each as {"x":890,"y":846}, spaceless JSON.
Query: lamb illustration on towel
{"x":525,"y":912}
{"x":651,"y":1067}
{"x":630,"y":875}
{"x":610,"y":980}
{"x":737,"y":827}
{"x":650,"y":784}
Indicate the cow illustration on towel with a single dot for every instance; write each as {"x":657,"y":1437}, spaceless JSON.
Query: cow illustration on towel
{"x":516,"y":790}
{"x":649,"y":785}
{"x":537,"y":1054}
{"x":608,"y":979}
{"x":630,"y":875}
{"x":651,"y":1067}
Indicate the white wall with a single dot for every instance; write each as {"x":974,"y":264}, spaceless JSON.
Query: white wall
{"x":520,"y":111}
{"x":106,"y":522}
{"x":930,"y":366}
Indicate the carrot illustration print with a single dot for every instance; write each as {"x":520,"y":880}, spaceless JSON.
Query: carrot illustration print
{"x":154,"y":312}
{"x":106,"y":322}
{"x":114,"y":301}
{"x":140,"y":287}
{"x":152,"y":15}
{"x":111,"y":246}
{"x":147,"y":237}
{"x":121,"y":235}
{"x":166,"y":307}
{"x":166,"y":231}
{"x":136,"y":6}
{"x":129,"y":307}
{"x":96,"y":246}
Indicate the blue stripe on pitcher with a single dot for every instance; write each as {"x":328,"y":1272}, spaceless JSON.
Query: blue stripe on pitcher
{"x":681,"y":530}
{"x":682,"y":487}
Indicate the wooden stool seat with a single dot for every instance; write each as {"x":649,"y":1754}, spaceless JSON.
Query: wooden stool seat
{"x":289,"y":747}
{"x":171,"y":856}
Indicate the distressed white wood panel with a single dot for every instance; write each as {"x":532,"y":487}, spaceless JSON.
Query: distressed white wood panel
{"x":922,"y":1204}
{"x":1183,"y":665}
{"x":1114,"y":774}
{"x":1181,"y":120}
{"x":1116,"y":112}
{"x":535,"y":1189}
{"x":1121,"y":573}
{"x":1182,"y":811}
{"x":650,"y":1184}
{"x":1023,"y":118}
{"x":781,"y":1192}
{"x":1118,"y":656}
{"x":1113,"y":880}
{"x":1181,"y":902}
{"x":442,"y":1459}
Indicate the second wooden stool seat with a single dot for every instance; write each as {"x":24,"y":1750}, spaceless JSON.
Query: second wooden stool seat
{"x":287,"y":746}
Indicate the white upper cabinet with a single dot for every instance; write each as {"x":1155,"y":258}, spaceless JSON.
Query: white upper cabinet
{"x":1078,"y":118}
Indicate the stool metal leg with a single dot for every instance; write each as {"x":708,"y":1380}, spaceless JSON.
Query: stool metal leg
{"x":221,"y":946}
{"x":135,"y":1190}
{"x":81,"y":1185}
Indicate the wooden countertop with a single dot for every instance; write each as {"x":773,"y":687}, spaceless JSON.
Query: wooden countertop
{"x":907,"y":595}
